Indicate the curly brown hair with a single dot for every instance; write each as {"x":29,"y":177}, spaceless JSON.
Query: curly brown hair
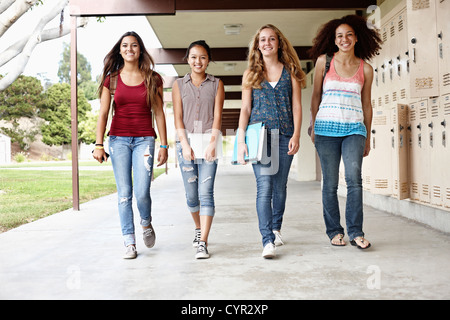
{"x":286,"y":55}
{"x":369,"y":40}
{"x":113,"y":63}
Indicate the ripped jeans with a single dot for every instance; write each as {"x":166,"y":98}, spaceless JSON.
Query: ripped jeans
{"x":132,"y":156}
{"x":198,"y":178}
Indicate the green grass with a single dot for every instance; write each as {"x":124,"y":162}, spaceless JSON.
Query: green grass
{"x":28,"y":195}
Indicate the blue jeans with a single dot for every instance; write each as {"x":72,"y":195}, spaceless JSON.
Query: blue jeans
{"x":330,"y":150}
{"x":132,"y":161}
{"x":198,"y":178}
{"x":271,"y":185}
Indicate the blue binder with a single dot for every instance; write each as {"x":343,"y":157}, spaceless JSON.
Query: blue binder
{"x":255,"y":137}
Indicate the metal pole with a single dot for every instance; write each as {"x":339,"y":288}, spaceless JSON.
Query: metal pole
{"x":74,"y":113}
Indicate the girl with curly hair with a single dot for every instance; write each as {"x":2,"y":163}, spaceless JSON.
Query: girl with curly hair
{"x":271,"y":93}
{"x":128,"y":70}
{"x":341,"y":113}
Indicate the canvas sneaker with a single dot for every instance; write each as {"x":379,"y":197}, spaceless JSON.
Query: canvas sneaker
{"x":202,"y":252}
{"x":278,"y":238}
{"x":149,"y":237}
{"x":130,"y":252}
{"x":269,"y":251}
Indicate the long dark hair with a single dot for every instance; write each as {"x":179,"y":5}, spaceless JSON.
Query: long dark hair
{"x":113,"y":63}
{"x":369,"y":41}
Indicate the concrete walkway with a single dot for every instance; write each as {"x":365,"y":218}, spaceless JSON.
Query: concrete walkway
{"x":78,"y":255}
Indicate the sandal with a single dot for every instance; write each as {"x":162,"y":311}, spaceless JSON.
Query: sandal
{"x":362,"y":241}
{"x":339,"y":237}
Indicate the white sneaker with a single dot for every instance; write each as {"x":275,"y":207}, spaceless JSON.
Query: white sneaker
{"x":131,"y":252}
{"x":278,"y":238}
{"x":202,"y":251}
{"x":269,"y":251}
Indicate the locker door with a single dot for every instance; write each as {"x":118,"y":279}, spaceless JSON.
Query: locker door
{"x":418,"y":149}
{"x":383,"y":68}
{"x":402,"y":58}
{"x":400,"y":154}
{"x":443,"y":31}
{"x":436,"y":152}
{"x":424,"y":70}
{"x":381,"y":170}
{"x":444,"y":125}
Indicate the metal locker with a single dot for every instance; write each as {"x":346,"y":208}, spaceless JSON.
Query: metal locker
{"x":402,"y":59}
{"x":400,"y":154}
{"x":383,"y":69}
{"x":381,"y":150}
{"x":443,"y":33}
{"x":419,"y":157}
{"x":444,"y":133}
{"x":422,"y":40}
{"x":437,"y":165}
{"x":366,"y":172}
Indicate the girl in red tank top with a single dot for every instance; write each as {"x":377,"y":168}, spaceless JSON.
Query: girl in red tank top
{"x":128,"y":72}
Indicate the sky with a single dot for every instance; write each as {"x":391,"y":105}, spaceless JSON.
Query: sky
{"x":94,"y":42}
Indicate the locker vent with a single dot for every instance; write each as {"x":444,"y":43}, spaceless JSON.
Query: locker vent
{"x":447,"y":109}
{"x":380,"y":102}
{"x":446,"y":79}
{"x":423,"y":113}
{"x":434,"y":111}
{"x":381,"y":183}
{"x":384,"y":37}
{"x":392,"y":30}
{"x":394,"y":96}
{"x":400,"y":25}
{"x":424,"y":83}
{"x":404,"y":187}
{"x":403,"y":94}
{"x":386,"y":99}
{"x":447,"y":195}
{"x":426,"y":192}
{"x":437,"y":192}
{"x":414,"y":190}
{"x":420,"y":4}
{"x":412,"y":114}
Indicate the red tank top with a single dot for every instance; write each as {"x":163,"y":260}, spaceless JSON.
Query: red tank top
{"x":132,"y":114}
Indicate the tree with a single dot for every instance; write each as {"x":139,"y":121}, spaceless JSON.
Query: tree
{"x":20,"y":51}
{"x":84,"y":81}
{"x":21,"y":99}
{"x":83,"y":67}
{"x":56,"y":111}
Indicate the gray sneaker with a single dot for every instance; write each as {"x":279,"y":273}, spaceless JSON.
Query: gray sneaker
{"x":131,"y":252}
{"x":149,"y":237}
{"x":202,"y":252}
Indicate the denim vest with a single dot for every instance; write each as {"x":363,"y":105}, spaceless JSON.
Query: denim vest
{"x":273,"y":106}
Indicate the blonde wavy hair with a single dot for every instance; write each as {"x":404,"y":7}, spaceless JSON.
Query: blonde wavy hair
{"x":286,"y":55}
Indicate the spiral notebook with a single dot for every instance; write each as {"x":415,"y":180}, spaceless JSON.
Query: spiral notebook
{"x":255,"y":138}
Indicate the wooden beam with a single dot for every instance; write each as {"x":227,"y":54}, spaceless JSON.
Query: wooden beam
{"x":195,"y":5}
{"x":88,"y":8}
{"x":176,"y":56}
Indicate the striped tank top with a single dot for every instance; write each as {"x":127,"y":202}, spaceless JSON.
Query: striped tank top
{"x":340,"y":112}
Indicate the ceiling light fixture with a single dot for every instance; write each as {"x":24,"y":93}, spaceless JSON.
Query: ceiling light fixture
{"x":232,"y":29}
{"x":229,"y":66}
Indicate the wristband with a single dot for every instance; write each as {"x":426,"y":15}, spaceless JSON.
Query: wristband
{"x":164,"y":146}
